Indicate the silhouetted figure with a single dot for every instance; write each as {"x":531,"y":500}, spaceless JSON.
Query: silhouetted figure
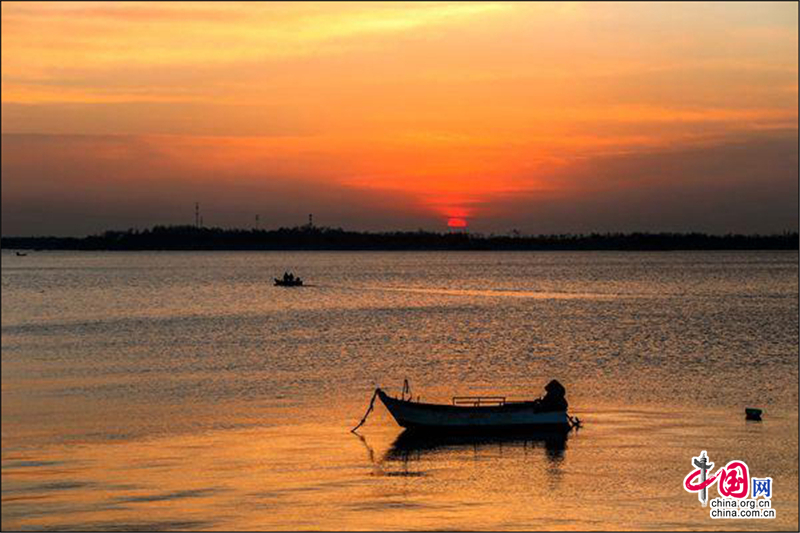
{"x":288,"y":280}
{"x":555,"y":399}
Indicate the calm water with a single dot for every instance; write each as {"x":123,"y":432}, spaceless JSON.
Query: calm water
{"x":183,"y":391}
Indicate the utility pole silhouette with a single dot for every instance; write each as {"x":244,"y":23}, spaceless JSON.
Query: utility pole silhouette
{"x":310,"y":220}
{"x":257,"y":225}
{"x":196,"y":214}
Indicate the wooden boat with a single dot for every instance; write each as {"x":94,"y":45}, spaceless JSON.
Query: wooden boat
{"x":475,"y":413}
{"x":296,"y":282}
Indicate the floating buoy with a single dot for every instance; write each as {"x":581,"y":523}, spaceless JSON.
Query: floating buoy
{"x":751,"y":413}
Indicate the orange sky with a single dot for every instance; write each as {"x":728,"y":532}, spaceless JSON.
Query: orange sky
{"x":545,"y":117}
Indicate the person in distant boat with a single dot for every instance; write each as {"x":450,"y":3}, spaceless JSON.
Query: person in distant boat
{"x":555,"y":399}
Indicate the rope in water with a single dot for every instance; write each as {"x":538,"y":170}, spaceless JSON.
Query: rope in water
{"x":369,"y":410}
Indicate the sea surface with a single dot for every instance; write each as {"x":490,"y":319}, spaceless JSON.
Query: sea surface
{"x":167,"y":390}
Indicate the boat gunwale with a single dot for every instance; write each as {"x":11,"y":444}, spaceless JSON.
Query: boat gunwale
{"x":524,"y":405}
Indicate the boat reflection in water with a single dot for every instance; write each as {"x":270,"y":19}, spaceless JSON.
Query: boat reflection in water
{"x":441,"y":433}
{"x":411,"y":445}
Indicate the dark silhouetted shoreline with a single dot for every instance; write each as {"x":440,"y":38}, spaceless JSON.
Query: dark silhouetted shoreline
{"x":314,"y":238}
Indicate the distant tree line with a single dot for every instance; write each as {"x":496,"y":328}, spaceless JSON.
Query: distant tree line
{"x":320,"y":238}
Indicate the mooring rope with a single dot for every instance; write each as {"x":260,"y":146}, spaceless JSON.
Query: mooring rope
{"x":370,"y":451}
{"x":369,"y":410}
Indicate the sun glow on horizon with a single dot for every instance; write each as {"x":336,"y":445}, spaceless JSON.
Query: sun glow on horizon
{"x":444,"y":110}
{"x":459,"y":223}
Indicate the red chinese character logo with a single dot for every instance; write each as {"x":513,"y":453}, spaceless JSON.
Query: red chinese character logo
{"x":733,"y":480}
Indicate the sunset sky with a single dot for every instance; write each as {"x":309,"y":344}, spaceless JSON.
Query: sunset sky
{"x":546,"y":118}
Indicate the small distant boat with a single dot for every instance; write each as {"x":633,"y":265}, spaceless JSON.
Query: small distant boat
{"x":20,"y":254}
{"x":294,"y":282}
{"x":489,"y":414}
{"x":751,"y":413}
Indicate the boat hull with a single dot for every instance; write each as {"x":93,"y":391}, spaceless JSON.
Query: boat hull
{"x":520,"y":416}
{"x":281,"y":283}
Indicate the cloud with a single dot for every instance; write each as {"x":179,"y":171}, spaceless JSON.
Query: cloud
{"x":73,"y":185}
{"x":747,"y":185}
{"x":537,"y":115}
{"x":76,"y":185}
{"x":165,"y":118}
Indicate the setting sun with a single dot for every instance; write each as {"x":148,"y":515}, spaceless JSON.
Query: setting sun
{"x":457,"y":223}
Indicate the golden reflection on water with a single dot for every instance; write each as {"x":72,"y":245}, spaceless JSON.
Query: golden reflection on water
{"x":622,"y":471}
{"x":500,"y":293}
{"x":183,"y":391}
